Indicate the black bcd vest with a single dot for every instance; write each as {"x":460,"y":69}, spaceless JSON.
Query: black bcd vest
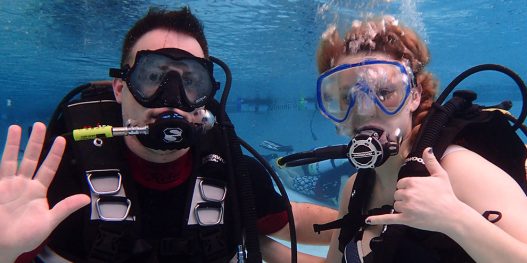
{"x":121,"y":241}
{"x":487,"y":133}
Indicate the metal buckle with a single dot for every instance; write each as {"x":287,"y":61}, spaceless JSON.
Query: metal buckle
{"x":105,"y":177}
{"x":114,"y":201}
{"x":203,"y":207}
{"x":212,"y":185}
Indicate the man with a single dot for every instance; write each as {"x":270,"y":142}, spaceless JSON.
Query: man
{"x":168,"y":207}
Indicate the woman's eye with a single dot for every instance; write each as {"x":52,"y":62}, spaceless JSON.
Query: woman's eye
{"x":384,"y":94}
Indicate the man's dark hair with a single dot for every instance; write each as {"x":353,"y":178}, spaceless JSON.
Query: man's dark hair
{"x":182,"y":21}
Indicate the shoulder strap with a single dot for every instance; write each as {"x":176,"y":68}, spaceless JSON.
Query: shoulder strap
{"x":101,"y":170}
{"x":357,"y":207}
{"x":350,"y":223}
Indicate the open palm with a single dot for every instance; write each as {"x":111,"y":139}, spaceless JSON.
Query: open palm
{"x":25,"y":217}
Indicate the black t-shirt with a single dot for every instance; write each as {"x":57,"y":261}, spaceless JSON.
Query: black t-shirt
{"x":162,"y":211}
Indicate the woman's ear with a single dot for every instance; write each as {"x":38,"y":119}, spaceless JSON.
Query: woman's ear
{"x":415,"y":98}
{"x":118,"y":86}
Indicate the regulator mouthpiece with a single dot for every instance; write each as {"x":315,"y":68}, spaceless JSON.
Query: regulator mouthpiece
{"x":169,"y":131}
{"x":367,"y":149}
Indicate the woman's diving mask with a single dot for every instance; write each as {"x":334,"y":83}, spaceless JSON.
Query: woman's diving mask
{"x":169,"y":77}
{"x":385,"y":84}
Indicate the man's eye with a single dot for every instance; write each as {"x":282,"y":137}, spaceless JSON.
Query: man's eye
{"x":153,"y":77}
{"x":187,"y":78}
{"x":187,"y":81}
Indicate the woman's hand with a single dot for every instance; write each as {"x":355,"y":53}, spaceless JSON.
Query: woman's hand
{"x":427,"y":203}
{"x":25,"y":217}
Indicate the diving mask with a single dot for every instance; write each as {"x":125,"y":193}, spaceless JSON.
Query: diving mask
{"x":385,"y":83}
{"x":169,"y":77}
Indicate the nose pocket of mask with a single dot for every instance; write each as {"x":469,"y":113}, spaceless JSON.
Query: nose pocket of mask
{"x":364,"y":101}
{"x":170,"y":89}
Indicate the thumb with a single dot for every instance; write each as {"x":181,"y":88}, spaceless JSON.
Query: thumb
{"x":431,"y":163}
{"x":67,"y":206}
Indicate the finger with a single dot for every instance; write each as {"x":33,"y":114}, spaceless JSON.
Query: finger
{"x":431,"y":163}
{"x":33,"y":150}
{"x":399,"y":195}
{"x":67,"y":206}
{"x":49,"y":167}
{"x":387,"y":219}
{"x":9,"y":162}
{"x":406,"y":182}
{"x":399,"y":206}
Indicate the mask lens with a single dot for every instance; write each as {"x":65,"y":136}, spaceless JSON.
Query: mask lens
{"x":195,"y":79}
{"x":385,"y":83}
{"x":149,"y":72}
{"x":335,"y":99}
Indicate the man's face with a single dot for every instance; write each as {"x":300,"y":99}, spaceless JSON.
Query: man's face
{"x":135,"y":114}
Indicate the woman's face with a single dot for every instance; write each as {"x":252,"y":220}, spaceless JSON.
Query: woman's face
{"x":376,"y":94}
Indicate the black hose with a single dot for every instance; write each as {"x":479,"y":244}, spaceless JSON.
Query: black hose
{"x":313,"y":156}
{"x":281,"y":189}
{"x":512,"y":119}
{"x":245,"y":201}
{"x":437,"y":118}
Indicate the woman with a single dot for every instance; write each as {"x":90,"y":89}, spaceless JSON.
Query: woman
{"x":373,"y":85}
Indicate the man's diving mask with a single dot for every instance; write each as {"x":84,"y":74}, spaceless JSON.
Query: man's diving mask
{"x":169,"y":77}
{"x":386,"y":84}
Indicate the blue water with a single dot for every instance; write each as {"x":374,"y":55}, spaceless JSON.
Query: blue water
{"x":49,"y":47}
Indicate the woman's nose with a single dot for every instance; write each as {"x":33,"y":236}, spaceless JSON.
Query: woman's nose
{"x":364,"y":105}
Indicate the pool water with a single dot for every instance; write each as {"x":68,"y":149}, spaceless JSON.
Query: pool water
{"x":50,"y":47}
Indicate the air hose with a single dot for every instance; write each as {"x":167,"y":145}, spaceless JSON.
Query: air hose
{"x":247,"y":198}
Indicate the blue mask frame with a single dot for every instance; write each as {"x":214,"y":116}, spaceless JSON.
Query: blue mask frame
{"x":363,"y":88}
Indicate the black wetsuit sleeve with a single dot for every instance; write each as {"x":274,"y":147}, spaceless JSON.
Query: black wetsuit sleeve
{"x":270,"y":207}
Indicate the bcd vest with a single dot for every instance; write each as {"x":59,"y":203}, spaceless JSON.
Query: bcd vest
{"x":112,"y":223}
{"x":487,"y":133}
